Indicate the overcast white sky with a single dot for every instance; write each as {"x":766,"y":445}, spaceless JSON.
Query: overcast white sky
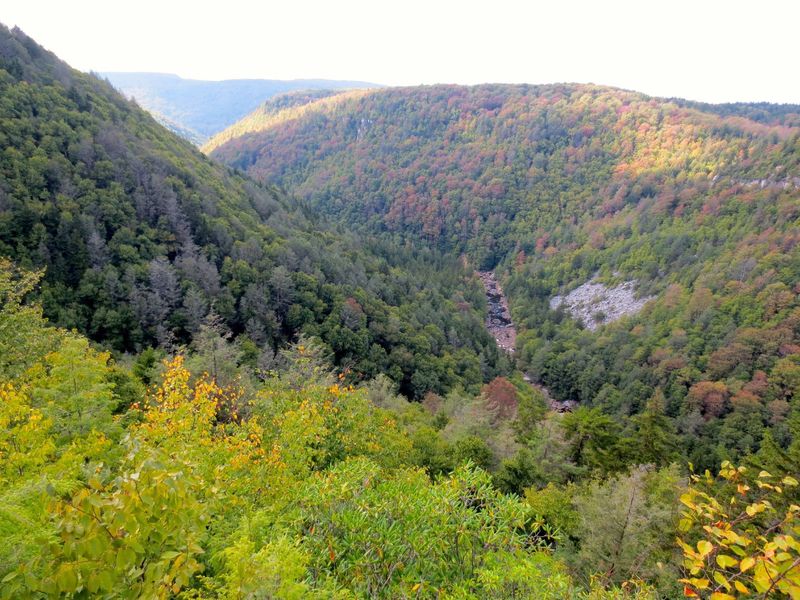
{"x":710,"y":50}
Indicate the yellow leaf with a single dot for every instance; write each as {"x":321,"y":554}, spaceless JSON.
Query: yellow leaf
{"x":747,"y":563}
{"x":720,"y":579}
{"x":722,"y":596}
{"x":756,"y":508}
{"x":700,"y":584}
{"x":705,"y":548}
{"x":725,"y":561}
{"x":416,"y":587}
{"x":740,"y":587}
{"x":761,"y":578}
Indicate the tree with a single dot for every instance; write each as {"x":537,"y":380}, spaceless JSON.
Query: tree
{"x":518,"y":473}
{"x":626,"y":524}
{"x":473,"y":449}
{"x":72,"y":388}
{"x":655,"y":437}
{"x":139,"y":536}
{"x":593,"y":439}
{"x":501,"y":398}
{"x":711,"y":397}
{"x":24,"y":334}
{"x":25,"y":439}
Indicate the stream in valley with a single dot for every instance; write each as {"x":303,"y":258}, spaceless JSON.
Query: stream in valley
{"x":504,"y":332}
{"x":498,"y":317}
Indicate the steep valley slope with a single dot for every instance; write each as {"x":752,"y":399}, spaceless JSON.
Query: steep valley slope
{"x":146,"y":242}
{"x":554,"y":186}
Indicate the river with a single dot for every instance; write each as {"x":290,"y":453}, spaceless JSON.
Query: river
{"x":498,"y":317}
{"x":501,"y":326}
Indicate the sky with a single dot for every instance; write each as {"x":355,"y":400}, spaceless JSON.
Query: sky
{"x":709,"y":50}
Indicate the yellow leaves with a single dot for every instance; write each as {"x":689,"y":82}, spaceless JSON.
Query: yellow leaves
{"x":698,"y":583}
{"x":761,"y":577}
{"x":757,"y":547}
{"x":336,"y":390}
{"x":176,"y":410}
{"x":688,"y":501}
{"x":199,"y":422}
{"x":25,"y":439}
{"x":754,"y":509}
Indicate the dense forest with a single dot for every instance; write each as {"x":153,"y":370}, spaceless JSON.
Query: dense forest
{"x":213,"y":387}
{"x":144,"y":240}
{"x":554,"y":185}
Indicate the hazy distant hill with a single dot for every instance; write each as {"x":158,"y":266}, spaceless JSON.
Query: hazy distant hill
{"x":198,"y":109}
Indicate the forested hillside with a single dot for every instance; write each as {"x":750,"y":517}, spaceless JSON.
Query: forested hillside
{"x":552,"y":185}
{"x":144,"y":240}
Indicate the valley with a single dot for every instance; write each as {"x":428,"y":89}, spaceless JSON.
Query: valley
{"x":283,"y":365}
{"x":502,"y":328}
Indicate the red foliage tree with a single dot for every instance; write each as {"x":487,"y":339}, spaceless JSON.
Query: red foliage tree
{"x":501,"y":396}
{"x":711,"y":397}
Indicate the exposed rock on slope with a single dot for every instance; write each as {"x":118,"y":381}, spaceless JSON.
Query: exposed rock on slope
{"x":595,"y":304}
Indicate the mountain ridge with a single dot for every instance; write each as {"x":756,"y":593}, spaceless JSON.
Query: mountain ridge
{"x":205,"y":107}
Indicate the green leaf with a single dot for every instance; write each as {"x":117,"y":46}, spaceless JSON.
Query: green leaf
{"x":66,"y":578}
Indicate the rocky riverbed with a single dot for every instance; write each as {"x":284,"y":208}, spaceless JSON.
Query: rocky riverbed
{"x":498,"y":318}
{"x":500,"y":325}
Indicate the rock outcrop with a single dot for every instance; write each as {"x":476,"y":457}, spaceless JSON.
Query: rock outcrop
{"x":595,"y":304}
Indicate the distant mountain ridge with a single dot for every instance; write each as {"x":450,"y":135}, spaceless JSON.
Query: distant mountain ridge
{"x":197,"y":109}
{"x":278,"y":109}
{"x":457,"y":165}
